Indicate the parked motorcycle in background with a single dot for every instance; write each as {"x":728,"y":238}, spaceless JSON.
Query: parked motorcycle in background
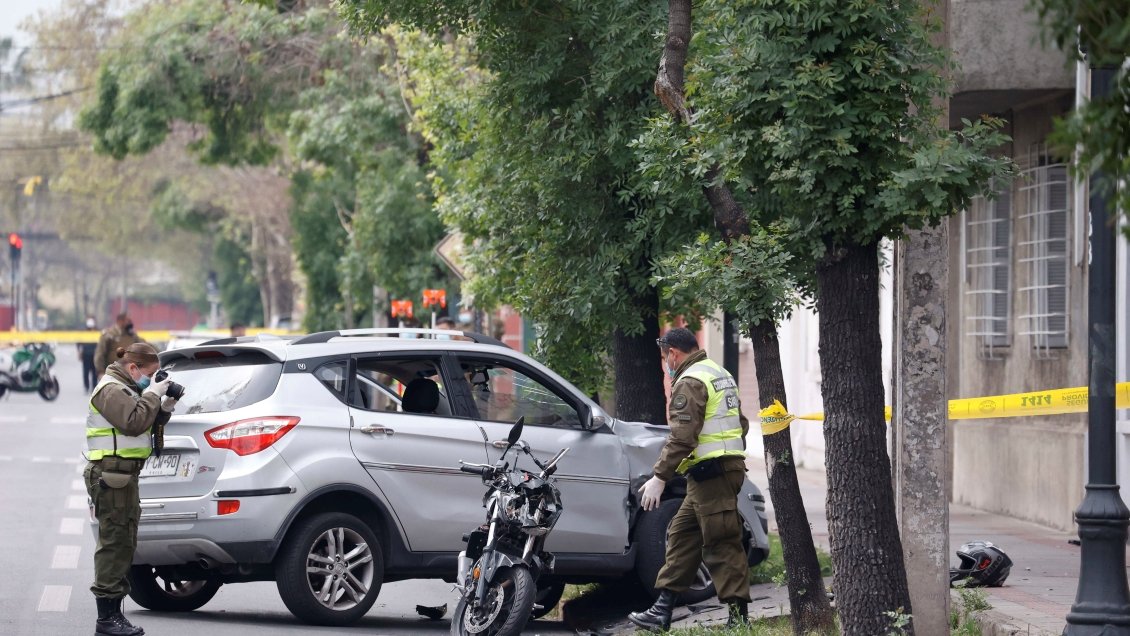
{"x":504,"y":558}
{"x":28,"y":370}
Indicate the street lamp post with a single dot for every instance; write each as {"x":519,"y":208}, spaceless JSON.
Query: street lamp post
{"x":1102,"y":603}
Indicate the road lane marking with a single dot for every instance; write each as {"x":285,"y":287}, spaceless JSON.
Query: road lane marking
{"x":12,"y":419}
{"x":78,"y":484}
{"x":76,"y":502}
{"x":5,"y":458}
{"x":68,"y":420}
{"x":55,"y":598}
{"x":41,"y":460}
{"x":71,"y":525}
{"x":66,"y":557}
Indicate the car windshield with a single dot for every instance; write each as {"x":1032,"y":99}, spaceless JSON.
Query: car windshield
{"x":223,"y":383}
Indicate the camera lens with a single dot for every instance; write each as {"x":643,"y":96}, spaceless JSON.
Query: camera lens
{"x":176,"y":391}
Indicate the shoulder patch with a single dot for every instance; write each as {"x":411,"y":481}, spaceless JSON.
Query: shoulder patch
{"x":679,"y":401}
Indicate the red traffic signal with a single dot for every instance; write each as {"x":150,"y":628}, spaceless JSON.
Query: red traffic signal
{"x":15,"y":246}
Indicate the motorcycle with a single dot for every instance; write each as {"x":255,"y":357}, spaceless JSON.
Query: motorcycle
{"x":505,"y":557}
{"x":30,"y":372}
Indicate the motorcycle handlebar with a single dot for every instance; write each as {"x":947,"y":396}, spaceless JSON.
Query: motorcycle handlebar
{"x":477,"y":470}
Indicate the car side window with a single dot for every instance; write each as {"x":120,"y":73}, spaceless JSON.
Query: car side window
{"x":401,"y":385}
{"x":332,"y":375}
{"x":503,"y":392}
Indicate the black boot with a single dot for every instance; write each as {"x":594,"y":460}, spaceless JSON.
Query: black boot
{"x":111,"y":621}
{"x":739,"y":614}
{"x":657,"y":618}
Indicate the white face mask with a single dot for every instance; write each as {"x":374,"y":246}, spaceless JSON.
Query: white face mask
{"x":668,"y":367}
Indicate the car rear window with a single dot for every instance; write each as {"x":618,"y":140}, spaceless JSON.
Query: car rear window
{"x":217,"y":382}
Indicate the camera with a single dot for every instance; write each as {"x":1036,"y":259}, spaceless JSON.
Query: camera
{"x":176,"y":391}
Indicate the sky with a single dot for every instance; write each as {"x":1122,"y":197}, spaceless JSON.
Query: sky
{"x":13,"y":12}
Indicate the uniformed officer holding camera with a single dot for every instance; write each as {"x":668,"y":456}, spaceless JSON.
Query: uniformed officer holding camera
{"x":124,"y":426}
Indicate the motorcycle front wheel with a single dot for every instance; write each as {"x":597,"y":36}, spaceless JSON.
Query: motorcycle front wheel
{"x":509,"y":601}
{"x":49,"y":389}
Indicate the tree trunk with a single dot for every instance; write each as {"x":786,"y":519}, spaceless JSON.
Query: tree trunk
{"x":637,"y":368}
{"x":866,"y":549}
{"x":811,"y":611}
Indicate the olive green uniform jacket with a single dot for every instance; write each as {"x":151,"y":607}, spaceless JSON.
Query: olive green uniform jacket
{"x":117,"y":503}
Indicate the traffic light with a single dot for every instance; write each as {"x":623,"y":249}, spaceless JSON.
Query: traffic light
{"x":15,"y":246}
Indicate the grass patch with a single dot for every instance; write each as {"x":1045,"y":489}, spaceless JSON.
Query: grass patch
{"x":780,"y":626}
{"x":772,"y":570}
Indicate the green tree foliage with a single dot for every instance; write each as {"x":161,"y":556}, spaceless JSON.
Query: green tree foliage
{"x":822,"y":116}
{"x":530,"y":119}
{"x":1101,"y":128}
{"x":286,"y":89}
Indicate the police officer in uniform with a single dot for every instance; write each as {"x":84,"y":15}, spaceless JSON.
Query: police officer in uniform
{"x":120,"y":336}
{"x":125,"y":424}
{"x":707,"y":445}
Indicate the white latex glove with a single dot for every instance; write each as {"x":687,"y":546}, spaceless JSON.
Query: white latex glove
{"x":159,"y":388}
{"x":651,"y":492}
{"x":168,"y":404}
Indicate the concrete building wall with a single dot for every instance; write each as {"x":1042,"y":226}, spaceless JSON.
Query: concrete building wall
{"x":996,"y":45}
{"x":1029,"y":467}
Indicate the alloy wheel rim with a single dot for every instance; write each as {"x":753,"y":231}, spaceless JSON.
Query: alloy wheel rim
{"x":339,"y":569}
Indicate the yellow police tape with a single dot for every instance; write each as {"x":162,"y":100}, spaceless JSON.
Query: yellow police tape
{"x":69,"y":337}
{"x":1050,"y":402}
{"x":774,"y":418}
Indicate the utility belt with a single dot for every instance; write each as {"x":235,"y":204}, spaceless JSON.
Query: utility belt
{"x":706,"y":470}
{"x":713,"y":468}
{"x":117,"y":472}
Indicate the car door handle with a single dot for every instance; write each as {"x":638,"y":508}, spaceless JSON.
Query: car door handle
{"x":373,"y":429}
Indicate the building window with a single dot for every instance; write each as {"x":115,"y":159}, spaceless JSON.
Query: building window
{"x":988,"y":270}
{"x":1043,"y":255}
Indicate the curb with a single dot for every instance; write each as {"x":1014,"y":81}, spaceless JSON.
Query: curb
{"x":995,"y":623}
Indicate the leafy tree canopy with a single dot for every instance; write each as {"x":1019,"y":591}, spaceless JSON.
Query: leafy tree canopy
{"x":529,"y":113}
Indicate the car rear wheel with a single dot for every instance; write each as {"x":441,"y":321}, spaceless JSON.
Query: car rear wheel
{"x":151,"y":590}
{"x":330,"y":569}
{"x":651,"y":537}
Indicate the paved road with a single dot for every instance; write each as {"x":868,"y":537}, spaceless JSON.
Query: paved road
{"x":46,"y":548}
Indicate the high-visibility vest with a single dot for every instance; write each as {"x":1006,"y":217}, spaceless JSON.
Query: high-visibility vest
{"x":103,"y":440}
{"x":721,"y":434}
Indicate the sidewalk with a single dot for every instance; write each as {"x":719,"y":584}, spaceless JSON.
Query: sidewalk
{"x":1045,"y":572}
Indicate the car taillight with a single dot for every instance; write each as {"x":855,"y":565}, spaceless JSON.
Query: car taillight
{"x":250,"y":436}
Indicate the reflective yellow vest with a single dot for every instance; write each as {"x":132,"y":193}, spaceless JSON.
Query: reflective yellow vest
{"x":103,"y":440}
{"x":721,"y":434}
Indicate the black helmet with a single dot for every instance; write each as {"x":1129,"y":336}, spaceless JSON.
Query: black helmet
{"x":982,"y":563}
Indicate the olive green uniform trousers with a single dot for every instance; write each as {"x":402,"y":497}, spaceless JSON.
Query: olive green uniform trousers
{"x":118,"y":511}
{"x":707,"y":529}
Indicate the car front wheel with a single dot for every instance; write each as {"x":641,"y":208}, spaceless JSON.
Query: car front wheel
{"x":651,"y":538}
{"x":329,"y":570}
{"x":151,"y":590}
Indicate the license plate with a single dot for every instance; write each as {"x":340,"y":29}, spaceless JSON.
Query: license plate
{"x":162,"y":466}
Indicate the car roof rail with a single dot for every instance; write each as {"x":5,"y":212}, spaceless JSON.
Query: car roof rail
{"x":263,"y":337}
{"x":326,"y":336}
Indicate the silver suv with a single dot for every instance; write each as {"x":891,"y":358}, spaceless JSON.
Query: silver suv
{"x":330,"y":464}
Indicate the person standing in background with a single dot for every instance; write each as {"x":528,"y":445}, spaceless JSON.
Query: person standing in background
{"x":120,"y":336}
{"x":86,"y":352}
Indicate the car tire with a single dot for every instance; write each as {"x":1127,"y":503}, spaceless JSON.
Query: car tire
{"x":353,"y":563}
{"x":547,"y":597}
{"x":651,"y":552}
{"x":153,"y":592}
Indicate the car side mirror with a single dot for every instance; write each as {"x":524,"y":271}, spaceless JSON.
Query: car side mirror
{"x":593,"y":421}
